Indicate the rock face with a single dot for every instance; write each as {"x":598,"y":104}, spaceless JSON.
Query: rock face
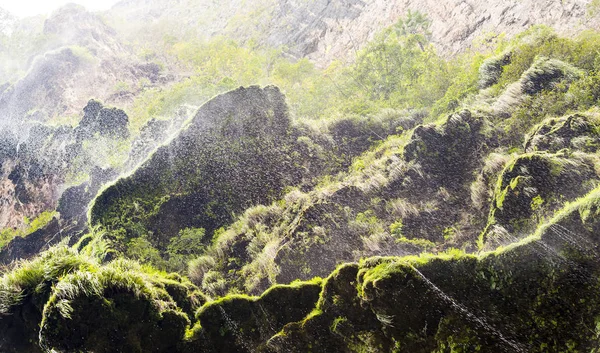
{"x":558,"y":167}
{"x":233,"y":154}
{"x":326,"y":30}
{"x":309,"y":233}
{"x":455,"y":24}
{"x":109,"y":122}
{"x":79,"y":57}
{"x":26,"y":190}
{"x":576,"y":132}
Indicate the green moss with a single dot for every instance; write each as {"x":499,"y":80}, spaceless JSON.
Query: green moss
{"x":67,"y":300}
{"x":243,"y":323}
{"x":8,"y":234}
{"x":544,"y":72}
{"x":532,"y":187}
{"x":577,"y":132}
{"x":491,"y":69}
{"x":529,"y":296}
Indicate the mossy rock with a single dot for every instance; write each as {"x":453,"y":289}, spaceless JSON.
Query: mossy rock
{"x":447,"y":152}
{"x":97,"y":119}
{"x":576,"y":132}
{"x":233,"y":154}
{"x":20,"y":327}
{"x":492,"y":68}
{"x":25,"y":290}
{"x":67,"y":301}
{"x":540,"y":295}
{"x":533,"y":186}
{"x":243,"y":324}
{"x":115,"y":321}
{"x":544,"y":73}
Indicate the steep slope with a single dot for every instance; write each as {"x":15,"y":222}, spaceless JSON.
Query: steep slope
{"x":233,"y":154}
{"x":536,"y":296}
{"x":325,"y":31}
{"x":449,"y":184}
{"x":400,"y":203}
{"x":474,"y":230}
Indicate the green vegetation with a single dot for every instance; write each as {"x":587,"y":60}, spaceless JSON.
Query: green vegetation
{"x":358,"y":165}
{"x":465,"y":181}
{"x":399,"y":69}
{"x":473,"y":170}
{"x":6,"y":235}
{"x":463,"y":302}
{"x":65,"y":292}
{"x":420,"y":303}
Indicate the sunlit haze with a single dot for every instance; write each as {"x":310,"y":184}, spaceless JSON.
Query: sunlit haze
{"x":36,"y":7}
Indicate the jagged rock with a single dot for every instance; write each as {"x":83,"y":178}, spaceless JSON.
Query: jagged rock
{"x":230,"y":156}
{"x":97,"y":119}
{"x":154,"y":133}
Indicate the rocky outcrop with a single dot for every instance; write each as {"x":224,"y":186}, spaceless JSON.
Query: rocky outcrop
{"x":233,"y":154}
{"x":531,"y":188}
{"x":577,"y":132}
{"x":403,"y":202}
{"x":559,"y":166}
{"x":244,"y":324}
{"x":67,"y":301}
{"x":32,"y":182}
{"x":108,"y":122}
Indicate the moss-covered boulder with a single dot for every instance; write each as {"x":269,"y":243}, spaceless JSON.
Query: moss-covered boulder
{"x":244,"y":324}
{"x":67,"y":301}
{"x":447,"y":152}
{"x":113,"y":309}
{"x":532,"y":187}
{"x":24,"y":292}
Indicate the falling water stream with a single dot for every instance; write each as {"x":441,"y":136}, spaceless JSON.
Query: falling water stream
{"x":469,"y":315}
